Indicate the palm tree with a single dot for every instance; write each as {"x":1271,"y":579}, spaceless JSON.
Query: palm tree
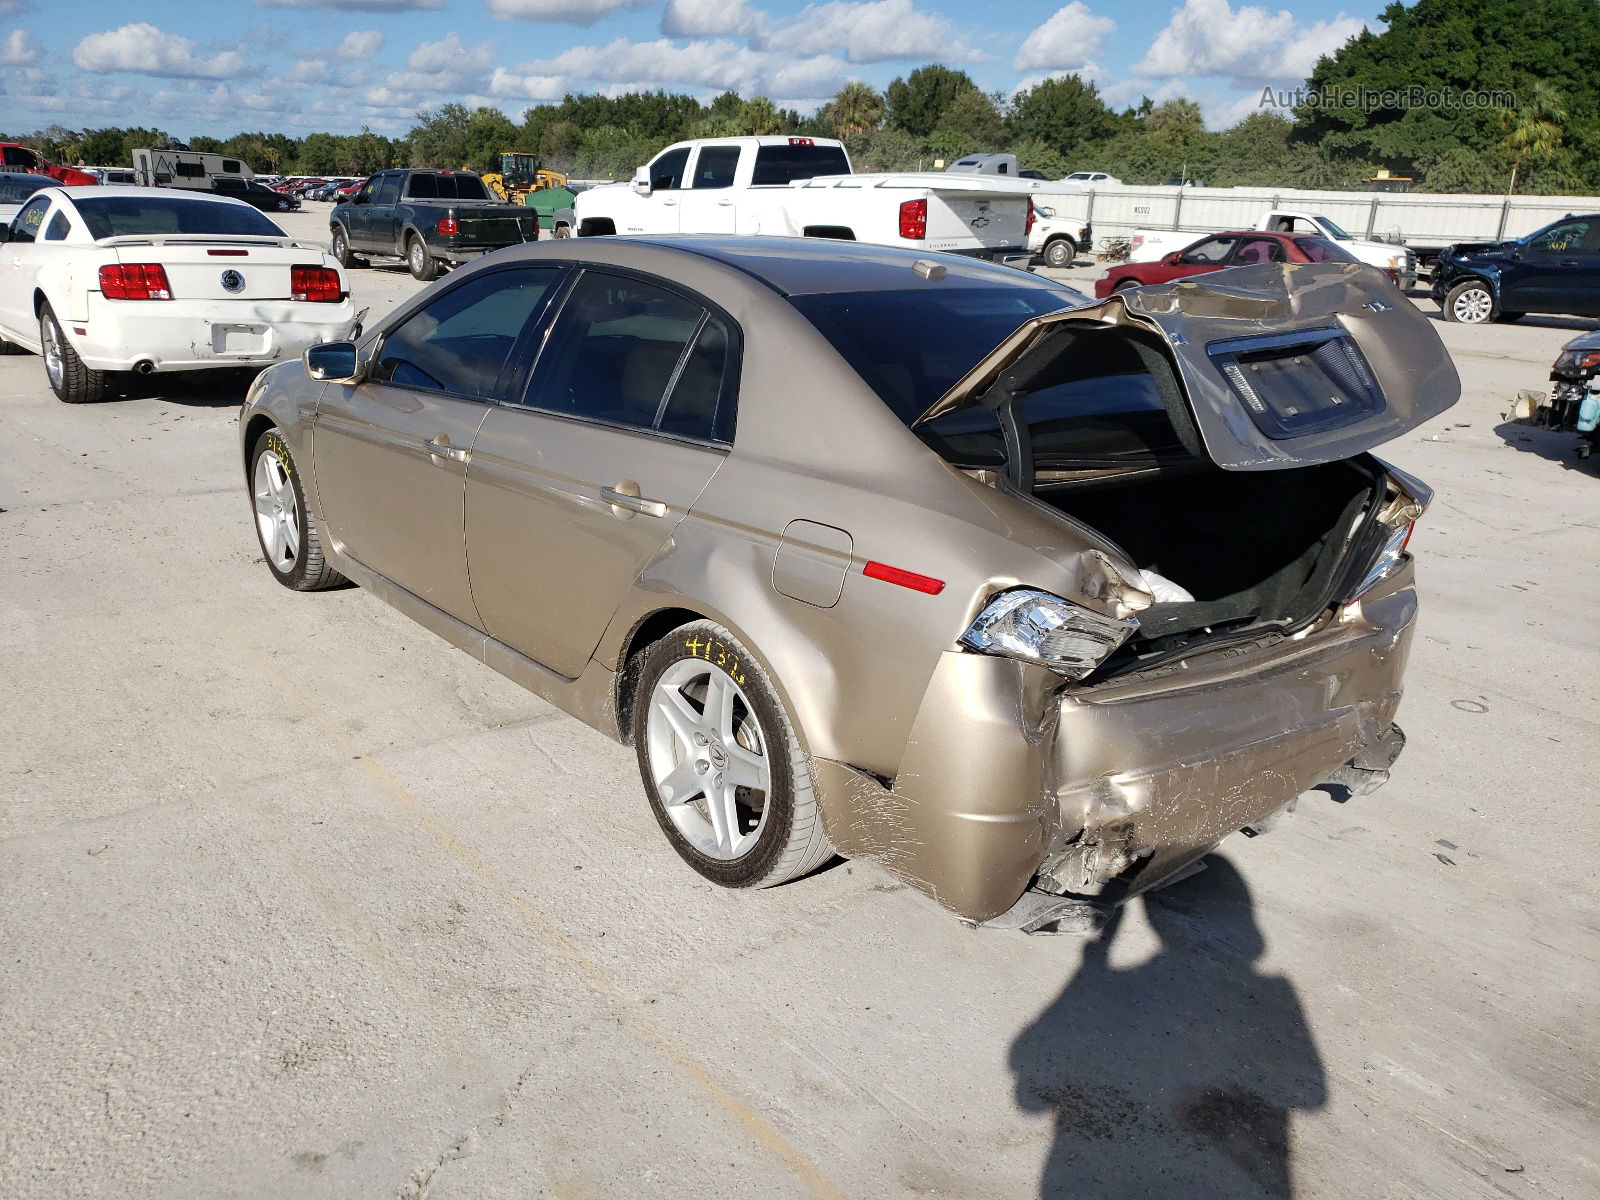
{"x":857,"y":108}
{"x":760,"y":117}
{"x":1536,"y":133}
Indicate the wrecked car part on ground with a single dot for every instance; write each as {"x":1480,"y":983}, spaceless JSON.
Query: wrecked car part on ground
{"x":1030,"y":600}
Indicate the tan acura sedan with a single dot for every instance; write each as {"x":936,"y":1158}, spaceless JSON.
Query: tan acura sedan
{"x":915,"y":559}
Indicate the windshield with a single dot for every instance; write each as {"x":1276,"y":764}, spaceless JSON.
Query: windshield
{"x":119,"y":216}
{"x":784,"y":164}
{"x":1335,"y":230}
{"x":911,"y":347}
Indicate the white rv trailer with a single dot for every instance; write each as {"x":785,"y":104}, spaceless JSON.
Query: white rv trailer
{"x":186,"y":168}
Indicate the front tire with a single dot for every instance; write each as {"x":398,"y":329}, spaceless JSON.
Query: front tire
{"x":723,"y":771}
{"x":1126,"y":285}
{"x":290,"y":539}
{"x":340,"y":248}
{"x":1061,"y":252}
{"x":1469,"y":303}
{"x":70,"y":380}
{"x":423,"y":265}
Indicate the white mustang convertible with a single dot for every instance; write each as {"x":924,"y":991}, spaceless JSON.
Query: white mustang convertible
{"x":103,"y":280}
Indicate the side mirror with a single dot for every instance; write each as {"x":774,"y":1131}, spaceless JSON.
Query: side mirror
{"x":361,"y":198}
{"x":333,"y":362}
{"x":1174,"y":258}
{"x":641,"y":181}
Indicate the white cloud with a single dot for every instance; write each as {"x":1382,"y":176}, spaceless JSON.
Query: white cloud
{"x":563,"y":12}
{"x":873,"y":31}
{"x":1072,"y":37}
{"x":360,"y":43}
{"x":711,"y":18}
{"x":449,"y":56}
{"x":718,"y":65}
{"x":146,"y":50}
{"x":1247,"y":44}
{"x":355,"y":5}
{"x":19,"y":49}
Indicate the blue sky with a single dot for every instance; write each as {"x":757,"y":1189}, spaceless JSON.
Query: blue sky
{"x":221,"y":66}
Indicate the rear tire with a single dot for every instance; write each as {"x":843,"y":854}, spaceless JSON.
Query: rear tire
{"x":70,"y":380}
{"x":1127,"y":285}
{"x":1060,"y":252}
{"x":290,"y":540}
{"x":694,"y":753}
{"x":423,"y":265}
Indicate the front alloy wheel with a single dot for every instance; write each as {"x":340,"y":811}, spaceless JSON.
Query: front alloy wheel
{"x":290,"y":540}
{"x":1469,"y":303}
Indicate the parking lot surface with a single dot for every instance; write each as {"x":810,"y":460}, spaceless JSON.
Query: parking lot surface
{"x":296,"y":900}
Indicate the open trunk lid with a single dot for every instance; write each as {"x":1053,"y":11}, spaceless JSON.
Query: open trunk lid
{"x":1280,"y":365}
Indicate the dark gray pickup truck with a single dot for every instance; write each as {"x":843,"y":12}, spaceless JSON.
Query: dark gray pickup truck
{"x":428,"y":219}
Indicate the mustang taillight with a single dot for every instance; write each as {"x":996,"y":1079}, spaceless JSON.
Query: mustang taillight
{"x":449,"y":227}
{"x":1027,"y":224}
{"x":914,"y":219}
{"x":135,"y":281}
{"x":320,"y":285}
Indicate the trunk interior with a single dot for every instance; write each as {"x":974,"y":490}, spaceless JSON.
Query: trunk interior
{"x":1257,"y":549}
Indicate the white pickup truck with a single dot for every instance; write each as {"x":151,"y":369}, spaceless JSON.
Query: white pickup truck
{"x":1148,"y":245}
{"x":803,"y":187}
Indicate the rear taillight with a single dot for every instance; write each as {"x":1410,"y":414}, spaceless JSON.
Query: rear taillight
{"x":1138,"y":240}
{"x":320,"y":285}
{"x":914,"y":219}
{"x":1027,"y":224}
{"x":449,"y":227}
{"x":135,"y":281}
{"x":1390,"y":557}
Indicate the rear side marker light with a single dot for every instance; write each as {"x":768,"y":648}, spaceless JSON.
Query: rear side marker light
{"x":914,"y":220}
{"x":135,"y":281}
{"x":319,"y":285}
{"x":449,"y":227}
{"x":905,"y":579}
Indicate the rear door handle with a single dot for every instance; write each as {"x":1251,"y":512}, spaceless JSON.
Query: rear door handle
{"x":1569,"y":262}
{"x":626,"y":496}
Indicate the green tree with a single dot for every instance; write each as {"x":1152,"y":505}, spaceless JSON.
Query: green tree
{"x":439,"y":139}
{"x":1536,"y":127}
{"x":1064,"y":113}
{"x":490,"y":133}
{"x":973,"y":120}
{"x":760,"y":117}
{"x":855,"y":108}
{"x":917,"y":102}
{"x":104,"y":148}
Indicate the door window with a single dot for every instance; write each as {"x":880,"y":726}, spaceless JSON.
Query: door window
{"x":461,"y":341}
{"x":387,"y":191}
{"x":715,"y":167}
{"x":16,"y":156}
{"x":1212,"y":252}
{"x":1253,"y":251}
{"x":631,"y":353}
{"x":666,"y":173}
{"x":1569,"y":237}
{"x":25,"y":226}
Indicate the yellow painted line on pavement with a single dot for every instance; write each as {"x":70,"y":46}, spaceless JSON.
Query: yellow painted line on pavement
{"x":754,"y":1124}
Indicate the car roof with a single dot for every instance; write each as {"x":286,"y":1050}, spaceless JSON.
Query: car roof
{"x":802,"y":266}
{"x":77,"y":191}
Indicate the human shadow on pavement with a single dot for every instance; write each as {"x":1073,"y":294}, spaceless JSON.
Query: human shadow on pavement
{"x":1177,"y":1077}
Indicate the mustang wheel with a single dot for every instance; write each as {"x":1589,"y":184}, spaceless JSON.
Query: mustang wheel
{"x":1470,"y":303}
{"x":1060,"y":253}
{"x":287,"y":532}
{"x":726,"y":778}
{"x":423,"y":265}
{"x":70,"y":380}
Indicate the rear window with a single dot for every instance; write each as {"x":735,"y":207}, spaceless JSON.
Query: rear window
{"x":911,"y":347}
{"x":446,"y":187}
{"x":119,"y":216}
{"x":15,"y":191}
{"x":784,"y":164}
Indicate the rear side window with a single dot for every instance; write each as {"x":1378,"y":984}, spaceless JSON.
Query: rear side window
{"x":423,"y":187}
{"x":459,"y":342}
{"x":1254,"y":251}
{"x":784,"y":164}
{"x":116,"y":216}
{"x":630,"y":353}
{"x":1322,"y":250}
{"x":715,"y":167}
{"x":58,"y":228}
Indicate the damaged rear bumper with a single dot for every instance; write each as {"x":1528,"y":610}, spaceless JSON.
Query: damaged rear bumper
{"x":1012,"y":786}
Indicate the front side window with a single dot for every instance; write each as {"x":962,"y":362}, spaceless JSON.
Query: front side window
{"x":461,"y":341}
{"x":1212,"y":252}
{"x":25,"y":225}
{"x":1569,"y":237}
{"x":666,"y":173}
{"x":388,"y":189}
{"x":715,"y":167}
{"x":630,"y":353}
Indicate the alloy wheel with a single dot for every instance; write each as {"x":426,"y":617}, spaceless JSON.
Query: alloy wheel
{"x":708,"y":759}
{"x":1472,"y":307}
{"x":54,"y":361}
{"x":277,"y":511}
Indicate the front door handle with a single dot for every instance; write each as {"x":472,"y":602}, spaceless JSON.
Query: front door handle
{"x":440,"y":451}
{"x":625,"y":500}
{"x":1569,"y":262}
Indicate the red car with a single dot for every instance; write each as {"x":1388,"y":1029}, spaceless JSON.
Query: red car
{"x":19,"y":158}
{"x":1216,"y":251}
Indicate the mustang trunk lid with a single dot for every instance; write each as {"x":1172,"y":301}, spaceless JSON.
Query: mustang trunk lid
{"x":1280,"y":365}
